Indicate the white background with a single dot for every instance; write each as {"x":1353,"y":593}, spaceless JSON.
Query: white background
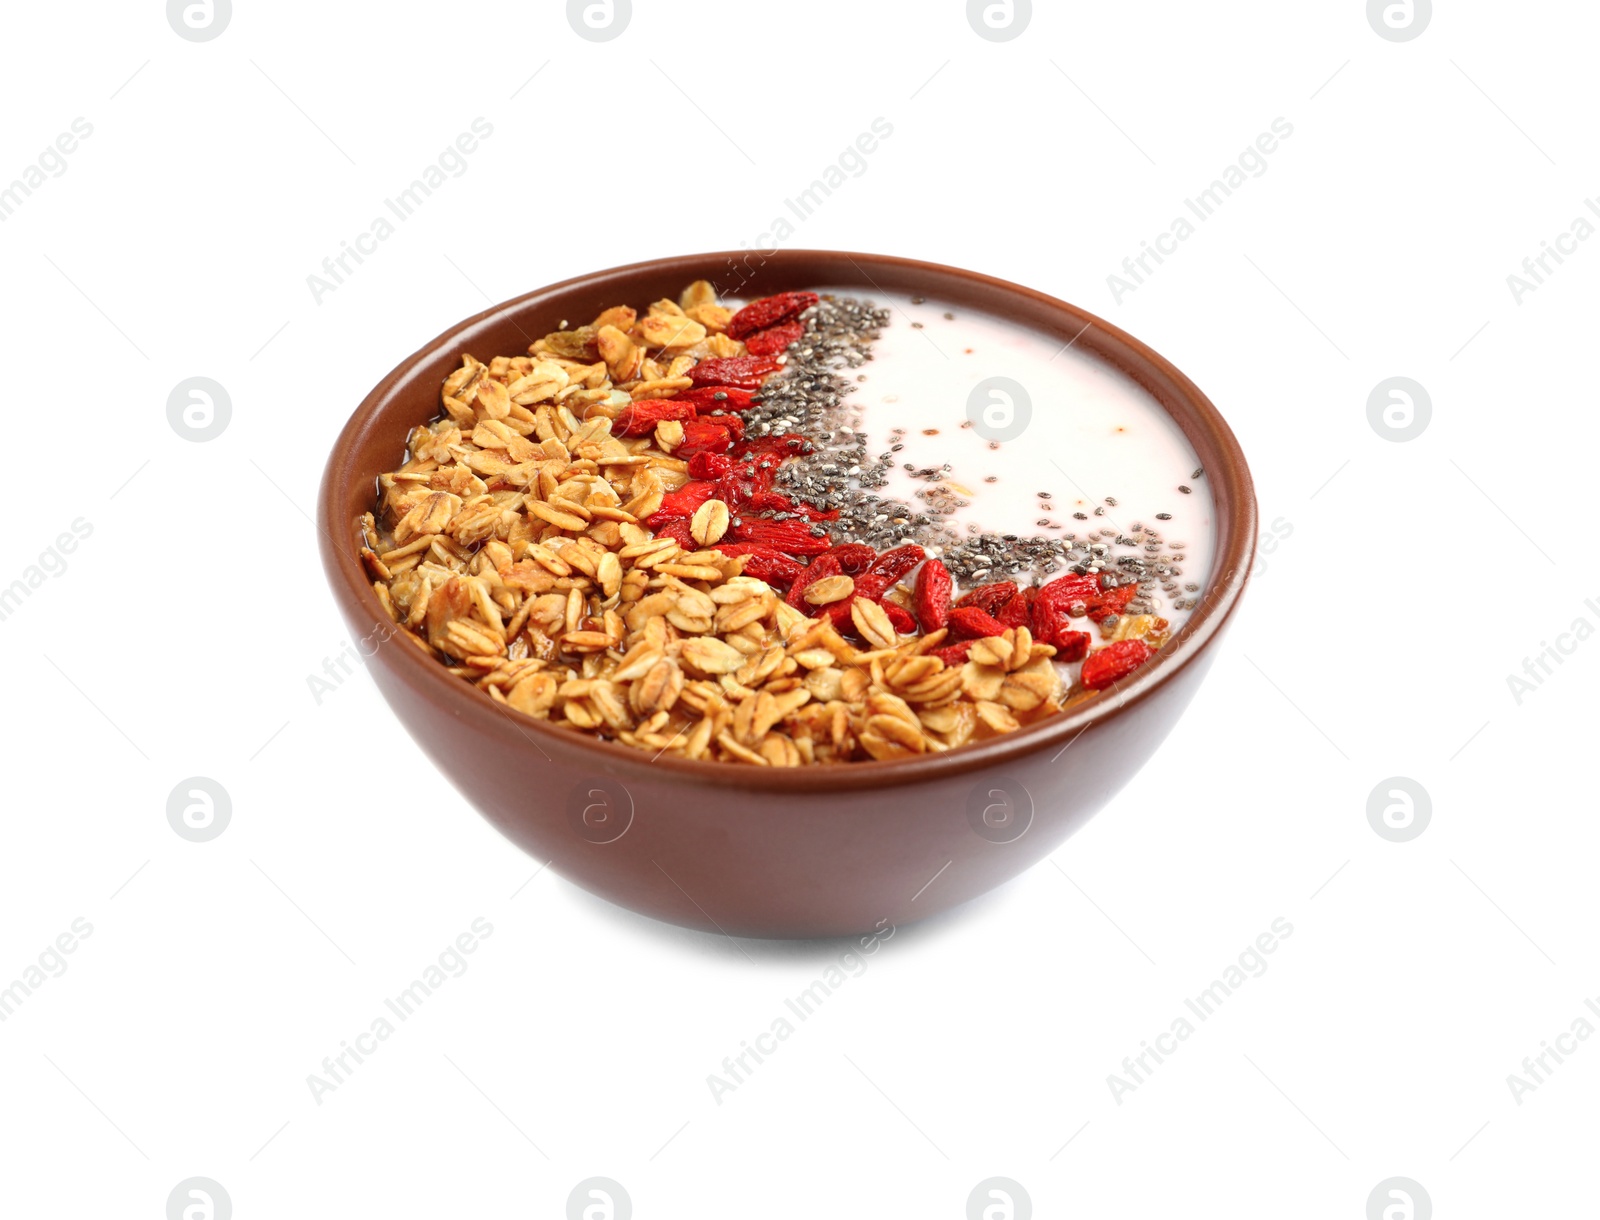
{"x":1376,"y":642}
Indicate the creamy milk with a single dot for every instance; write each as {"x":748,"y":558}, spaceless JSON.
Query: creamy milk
{"x":1092,"y":434}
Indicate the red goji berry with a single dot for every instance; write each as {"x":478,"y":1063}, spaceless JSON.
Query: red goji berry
{"x":703,"y":436}
{"x":895,"y":563}
{"x":889,"y":567}
{"x":790,"y":537}
{"x":764,"y":563}
{"x":1071,"y":589}
{"x":900,"y":618}
{"x":767,"y":501}
{"x":676,"y":528}
{"x":839,"y":614}
{"x":954,"y":655}
{"x":814,"y":571}
{"x":769,"y":311}
{"x":642,"y":417}
{"x":1015,"y":612}
{"x":1049,"y":624}
{"x":709,"y":465}
{"x":684,"y":501}
{"x":1071,"y":645}
{"x":774,"y":339}
{"x":854,"y":557}
{"x":785,"y":444}
{"x":1113,"y":663}
{"x":1112,"y":601}
{"x":733,"y":425}
{"x":933,"y":587}
{"x":989,"y":598}
{"x":716,"y":398}
{"x":745,"y":372}
{"x":969,"y":622}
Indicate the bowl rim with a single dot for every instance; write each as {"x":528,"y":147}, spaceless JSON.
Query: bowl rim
{"x":1194,"y":413}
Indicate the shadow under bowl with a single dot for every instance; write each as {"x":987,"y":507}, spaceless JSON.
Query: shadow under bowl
{"x":767,"y":852}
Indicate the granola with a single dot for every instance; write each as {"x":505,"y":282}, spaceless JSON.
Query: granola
{"x":587,"y":534}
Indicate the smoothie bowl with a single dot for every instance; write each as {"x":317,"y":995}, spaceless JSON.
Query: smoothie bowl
{"x":794,"y":595}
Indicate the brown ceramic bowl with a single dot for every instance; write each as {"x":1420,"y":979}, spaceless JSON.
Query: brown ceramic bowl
{"x":752,"y":851}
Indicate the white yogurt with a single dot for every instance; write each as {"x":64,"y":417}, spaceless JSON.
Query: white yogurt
{"x":1092,"y":433}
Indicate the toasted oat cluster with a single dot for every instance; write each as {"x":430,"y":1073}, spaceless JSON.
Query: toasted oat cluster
{"x":587,"y":534}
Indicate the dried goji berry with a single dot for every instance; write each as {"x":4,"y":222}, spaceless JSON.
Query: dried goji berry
{"x":676,"y":528}
{"x":933,"y":587}
{"x":1015,"y":612}
{"x":745,"y":372}
{"x":769,"y":311}
{"x":896,"y":562}
{"x":764,"y":563}
{"x":1065,"y":590}
{"x":709,"y":465}
{"x":703,"y":436}
{"x":1070,"y":645}
{"x":790,"y":537}
{"x":716,"y":398}
{"x":733,"y":425}
{"x":1112,"y":601}
{"x":900,"y":618}
{"x":821,"y":566}
{"x":1098,"y":602}
{"x":989,"y":598}
{"x":969,"y":622}
{"x":1113,"y":663}
{"x":1050,"y":624}
{"x":839,"y":614}
{"x":854,"y":557}
{"x":642,"y":417}
{"x":890,"y":567}
{"x":686,"y":499}
{"x":954,"y":655}
{"x":774,"y":339}
{"x":767,"y":501}
{"x":735,"y":487}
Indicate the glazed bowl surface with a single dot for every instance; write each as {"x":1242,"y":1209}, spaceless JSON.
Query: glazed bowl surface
{"x":779,"y":852}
